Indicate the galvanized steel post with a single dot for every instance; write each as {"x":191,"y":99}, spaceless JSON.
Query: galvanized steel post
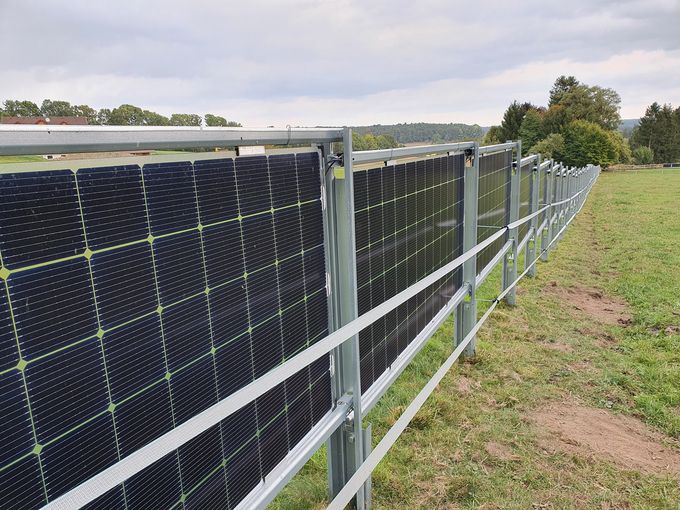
{"x":346,"y":451}
{"x":510,"y":259}
{"x":466,"y":312}
{"x":546,"y":238}
{"x":530,"y":255}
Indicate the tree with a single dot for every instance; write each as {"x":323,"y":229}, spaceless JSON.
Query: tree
{"x":659,"y":130}
{"x":622,"y":152}
{"x":493,"y":136}
{"x":50,"y":108}
{"x":216,"y":120}
{"x":581,"y":102}
{"x":86,"y":111}
{"x":155,"y":119}
{"x":185,"y":119}
{"x":551,"y":147}
{"x":562,"y":85}
{"x":512,"y":120}
{"x":531,"y":130}
{"x":126,"y":115}
{"x":103,"y":116}
{"x":643,"y":155}
{"x":14,"y":108}
{"x":586,"y":142}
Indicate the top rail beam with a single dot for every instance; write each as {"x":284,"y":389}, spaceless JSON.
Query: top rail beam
{"x":18,"y":140}
{"x":375,"y":156}
{"x":497,"y":148}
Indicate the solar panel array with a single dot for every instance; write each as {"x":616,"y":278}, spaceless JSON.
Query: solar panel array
{"x":408,"y":222}
{"x":525,"y":184}
{"x":493,"y":209}
{"x":134,"y":298}
{"x":542,"y":183}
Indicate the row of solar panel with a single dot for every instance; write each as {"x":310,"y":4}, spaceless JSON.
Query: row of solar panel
{"x":408,"y":223}
{"x":134,"y":298}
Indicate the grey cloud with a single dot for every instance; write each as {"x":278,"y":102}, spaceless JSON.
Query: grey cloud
{"x":187,"y":56}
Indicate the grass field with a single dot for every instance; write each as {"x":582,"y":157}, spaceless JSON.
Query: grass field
{"x":483,"y":439}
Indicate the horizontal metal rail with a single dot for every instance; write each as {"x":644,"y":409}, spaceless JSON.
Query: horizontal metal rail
{"x":528,"y":159}
{"x":28,"y":139}
{"x":379,"y":155}
{"x":487,"y":149}
{"x":488,"y":269}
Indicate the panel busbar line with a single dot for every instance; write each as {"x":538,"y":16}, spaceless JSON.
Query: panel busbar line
{"x":493,"y":203}
{"x":408,"y":224}
{"x":133,"y":298}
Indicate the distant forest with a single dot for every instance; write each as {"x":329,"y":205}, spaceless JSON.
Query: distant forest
{"x":423,"y":132}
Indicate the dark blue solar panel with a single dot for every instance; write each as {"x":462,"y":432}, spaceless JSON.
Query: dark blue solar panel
{"x":143,"y":418}
{"x":86,"y":452}
{"x":157,"y":487}
{"x":200,"y":456}
{"x":216,"y":187}
{"x":15,"y":421}
{"x":228,"y":312}
{"x":193,"y":389}
{"x":252,"y":177}
{"x":283,"y":177}
{"x":308,"y":172}
{"x":66,"y":389}
{"x":170,"y":197}
{"x":124,"y":284}
{"x":21,"y":485}
{"x":187,"y":331}
{"x":9,"y":354}
{"x":258,"y":242}
{"x":211,"y":494}
{"x":53,"y":306}
{"x":223,"y":252}
{"x":179,"y":266}
{"x":134,"y":356}
{"x":110,"y":370}
{"x":288,"y":238}
{"x":39,"y":217}
{"x":113,"y":205}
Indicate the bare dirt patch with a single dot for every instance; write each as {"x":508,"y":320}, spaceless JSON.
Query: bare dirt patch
{"x":499,"y":451}
{"x":465,"y":385}
{"x":602,"y":435}
{"x":604,"y":309}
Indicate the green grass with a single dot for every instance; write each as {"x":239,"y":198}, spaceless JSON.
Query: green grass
{"x":4,"y":160}
{"x":626,"y":243}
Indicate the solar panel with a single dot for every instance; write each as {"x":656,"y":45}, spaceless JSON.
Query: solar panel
{"x":133,"y":298}
{"x":493,"y":204}
{"x":525,"y":186}
{"x":408,"y":223}
{"x":542,"y":183}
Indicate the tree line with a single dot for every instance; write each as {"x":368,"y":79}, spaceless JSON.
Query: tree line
{"x":429,"y":132}
{"x":578,"y":126}
{"x":656,"y":139}
{"x":123,"y":115}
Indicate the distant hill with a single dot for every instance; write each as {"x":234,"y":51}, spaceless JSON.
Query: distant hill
{"x":627,"y":125}
{"x":424,"y":132}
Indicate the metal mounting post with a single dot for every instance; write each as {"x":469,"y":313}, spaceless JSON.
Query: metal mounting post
{"x":546,"y":238}
{"x":530,"y":254}
{"x":510,"y":259}
{"x":346,"y":450}
{"x":466,"y":312}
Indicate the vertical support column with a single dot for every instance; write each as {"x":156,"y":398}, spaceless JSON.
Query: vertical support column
{"x":345,"y":446}
{"x":466,"y":313}
{"x":510,"y":259}
{"x":533,"y":225}
{"x":547,"y":234}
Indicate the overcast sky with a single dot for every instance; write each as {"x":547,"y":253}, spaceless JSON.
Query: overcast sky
{"x":336,"y":62}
